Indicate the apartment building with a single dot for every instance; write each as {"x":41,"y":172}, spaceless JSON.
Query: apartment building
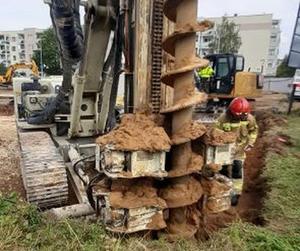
{"x":18,"y":46}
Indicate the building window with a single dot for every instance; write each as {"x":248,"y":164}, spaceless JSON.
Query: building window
{"x":13,"y":48}
{"x":13,"y":39}
{"x":272,"y":52}
{"x":270,"y":65}
{"x":14,"y":58}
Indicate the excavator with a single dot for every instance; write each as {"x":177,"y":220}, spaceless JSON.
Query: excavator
{"x":6,"y":80}
{"x":154,"y":170}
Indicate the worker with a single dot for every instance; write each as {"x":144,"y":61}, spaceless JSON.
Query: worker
{"x":206,"y":72}
{"x":238,"y":119}
{"x":205,"y":75}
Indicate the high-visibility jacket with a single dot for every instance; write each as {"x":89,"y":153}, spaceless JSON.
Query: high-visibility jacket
{"x":246,"y":130}
{"x":206,"y":72}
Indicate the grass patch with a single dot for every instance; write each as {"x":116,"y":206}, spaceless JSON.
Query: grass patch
{"x":23,"y":228}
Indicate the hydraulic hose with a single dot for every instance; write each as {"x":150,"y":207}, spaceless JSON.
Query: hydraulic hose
{"x":66,"y":22}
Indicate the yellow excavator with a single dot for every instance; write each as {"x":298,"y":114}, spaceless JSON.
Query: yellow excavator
{"x":6,"y":80}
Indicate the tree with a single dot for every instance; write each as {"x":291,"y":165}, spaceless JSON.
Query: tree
{"x":50,"y":54}
{"x":284,"y":71}
{"x":227,"y":39}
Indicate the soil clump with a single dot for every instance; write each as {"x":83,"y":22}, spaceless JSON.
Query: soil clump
{"x":189,"y":132}
{"x":182,"y":192}
{"x":137,"y":132}
{"x":217,"y":137}
{"x":134,"y":194}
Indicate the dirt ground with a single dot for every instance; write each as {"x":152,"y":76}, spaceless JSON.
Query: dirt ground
{"x":10,"y":180}
{"x":274,"y":101}
{"x":251,"y":201}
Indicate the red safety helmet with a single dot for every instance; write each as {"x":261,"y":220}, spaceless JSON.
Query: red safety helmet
{"x":239,"y":107}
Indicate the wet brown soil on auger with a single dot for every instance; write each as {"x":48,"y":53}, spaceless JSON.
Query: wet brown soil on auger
{"x":216,"y":137}
{"x":137,"y":132}
{"x":134,"y":194}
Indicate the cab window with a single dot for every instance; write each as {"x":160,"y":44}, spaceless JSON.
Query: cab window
{"x":222,"y":68}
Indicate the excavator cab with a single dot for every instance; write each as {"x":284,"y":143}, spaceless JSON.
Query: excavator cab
{"x":225,"y":68}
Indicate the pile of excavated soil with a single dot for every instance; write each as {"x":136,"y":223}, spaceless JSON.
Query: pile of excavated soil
{"x":217,"y":137}
{"x":134,"y":194}
{"x":137,"y":132}
{"x":10,"y":179}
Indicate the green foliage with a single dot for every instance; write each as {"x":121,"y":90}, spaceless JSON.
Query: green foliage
{"x":50,"y":52}
{"x":284,"y":71}
{"x":2,"y":69}
{"x":227,"y":39}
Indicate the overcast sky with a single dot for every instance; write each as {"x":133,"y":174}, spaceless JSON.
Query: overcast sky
{"x":18,"y":14}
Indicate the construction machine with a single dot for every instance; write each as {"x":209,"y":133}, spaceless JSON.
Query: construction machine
{"x":6,"y":80}
{"x":147,"y":171}
{"x":228,"y":82}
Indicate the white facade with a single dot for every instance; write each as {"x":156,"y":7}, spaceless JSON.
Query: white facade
{"x":260,"y":36}
{"x":18,"y":46}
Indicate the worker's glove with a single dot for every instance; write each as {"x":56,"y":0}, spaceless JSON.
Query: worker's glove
{"x":248,"y":148}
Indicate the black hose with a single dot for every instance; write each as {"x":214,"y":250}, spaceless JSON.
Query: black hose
{"x":89,"y":188}
{"x":76,"y":168}
{"x":66,"y":22}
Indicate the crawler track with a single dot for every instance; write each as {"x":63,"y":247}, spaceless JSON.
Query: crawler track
{"x":43,"y":170}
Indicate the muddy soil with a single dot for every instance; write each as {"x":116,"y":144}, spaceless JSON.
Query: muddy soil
{"x":188,"y":132}
{"x":134,"y":194}
{"x":137,"y":132}
{"x":217,"y":137}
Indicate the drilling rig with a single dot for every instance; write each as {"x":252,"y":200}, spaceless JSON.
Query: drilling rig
{"x":156,"y":169}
